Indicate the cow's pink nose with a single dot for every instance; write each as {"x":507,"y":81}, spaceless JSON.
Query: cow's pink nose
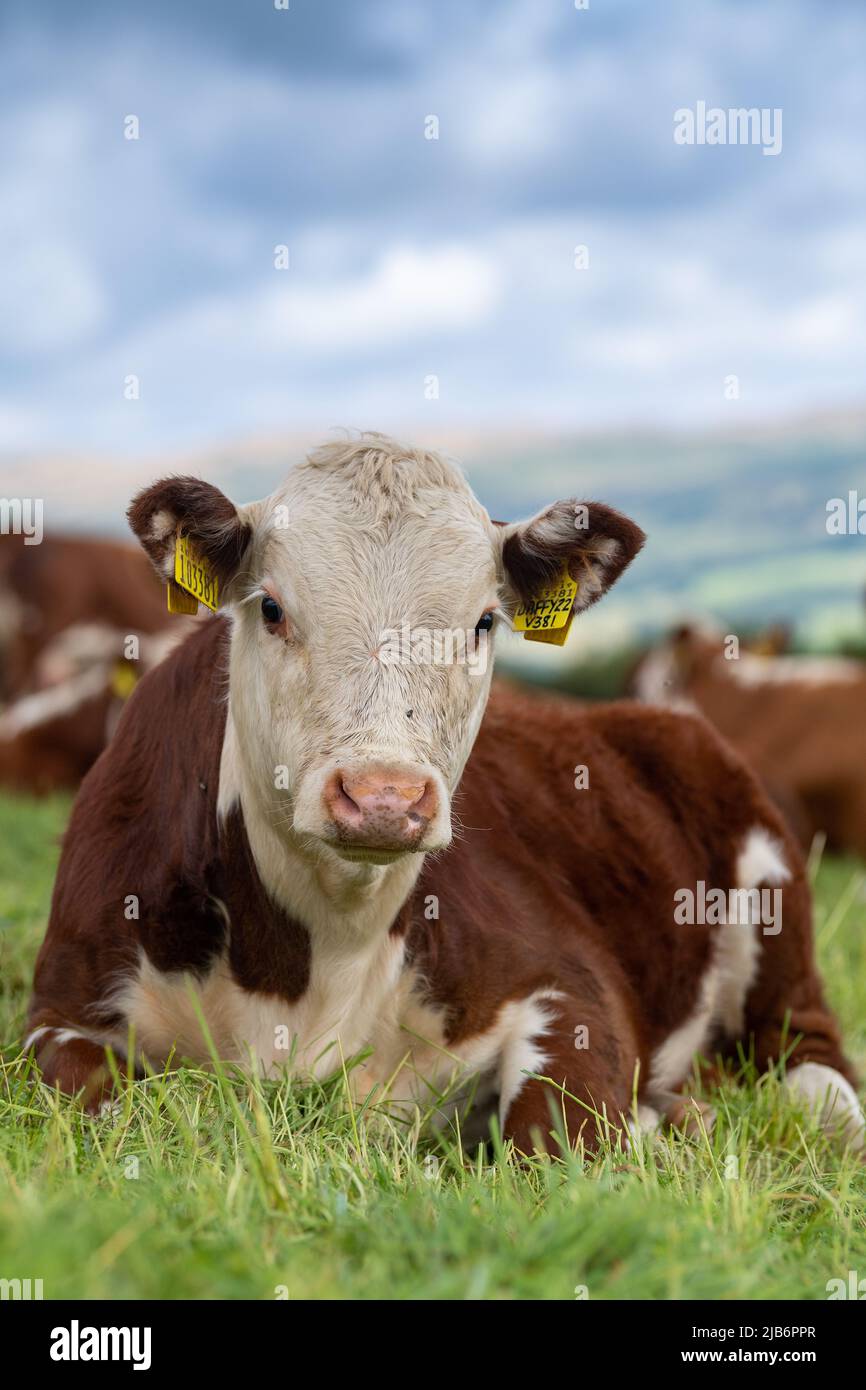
{"x":380,"y":808}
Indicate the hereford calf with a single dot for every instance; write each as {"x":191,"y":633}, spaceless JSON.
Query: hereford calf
{"x":267,"y":841}
{"x":797,"y":720}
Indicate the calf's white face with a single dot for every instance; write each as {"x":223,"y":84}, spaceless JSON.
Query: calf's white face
{"x":365,"y":593}
{"x":320,"y":687}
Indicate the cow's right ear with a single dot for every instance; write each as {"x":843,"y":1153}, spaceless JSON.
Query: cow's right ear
{"x":199,"y":511}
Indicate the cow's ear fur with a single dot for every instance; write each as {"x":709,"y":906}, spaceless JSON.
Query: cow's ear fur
{"x":217,"y":530}
{"x":594,"y":541}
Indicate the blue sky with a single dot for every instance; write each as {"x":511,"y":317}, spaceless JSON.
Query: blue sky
{"x":411,"y":257}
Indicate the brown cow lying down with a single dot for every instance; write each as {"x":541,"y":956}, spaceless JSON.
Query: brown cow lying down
{"x":797,"y":720}
{"x":50,"y":737}
{"x":270,"y":830}
{"x":66,"y":580}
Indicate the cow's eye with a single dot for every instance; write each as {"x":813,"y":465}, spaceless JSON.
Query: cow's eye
{"x":485,"y":623}
{"x":271,"y":611}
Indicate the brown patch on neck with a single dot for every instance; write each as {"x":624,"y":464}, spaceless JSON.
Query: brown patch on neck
{"x":269,"y":950}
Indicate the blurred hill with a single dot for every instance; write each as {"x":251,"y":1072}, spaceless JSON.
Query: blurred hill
{"x":736,"y":520}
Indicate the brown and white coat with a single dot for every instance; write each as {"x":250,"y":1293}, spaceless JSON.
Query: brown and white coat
{"x":540,"y":943}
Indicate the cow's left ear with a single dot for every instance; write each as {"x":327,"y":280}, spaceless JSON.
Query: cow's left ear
{"x":594,"y":541}
{"x":218,"y":531}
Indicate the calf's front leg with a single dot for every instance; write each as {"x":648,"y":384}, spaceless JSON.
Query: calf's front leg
{"x":571,"y":1080}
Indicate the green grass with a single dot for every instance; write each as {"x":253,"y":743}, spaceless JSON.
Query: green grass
{"x":209,"y":1186}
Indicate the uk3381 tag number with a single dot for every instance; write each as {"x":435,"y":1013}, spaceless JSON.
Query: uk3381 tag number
{"x":194,"y":575}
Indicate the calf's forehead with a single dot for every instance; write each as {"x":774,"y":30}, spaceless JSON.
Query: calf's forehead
{"x":424,"y":560}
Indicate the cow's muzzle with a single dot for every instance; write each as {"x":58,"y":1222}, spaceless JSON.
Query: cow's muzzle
{"x":381,"y":809}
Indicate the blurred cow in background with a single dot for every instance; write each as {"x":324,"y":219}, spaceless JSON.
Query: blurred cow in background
{"x":68,"y":608}
{"x":798,"y":720}
{"x":46,"y":588}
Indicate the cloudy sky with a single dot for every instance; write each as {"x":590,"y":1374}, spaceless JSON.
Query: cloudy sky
{"x":413,"y":258}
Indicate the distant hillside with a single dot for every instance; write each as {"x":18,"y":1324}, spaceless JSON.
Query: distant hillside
{"x":736,"y":521}
{"x":736,"y":524}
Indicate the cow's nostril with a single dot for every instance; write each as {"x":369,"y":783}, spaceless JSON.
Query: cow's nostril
{"x":427,"y":804}
{"x":346,"y":801}
{"x":342,"y":806}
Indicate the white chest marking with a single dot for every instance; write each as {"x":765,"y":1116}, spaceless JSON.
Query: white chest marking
{"x":375,"y":1005}
{"x":337,"y":1016}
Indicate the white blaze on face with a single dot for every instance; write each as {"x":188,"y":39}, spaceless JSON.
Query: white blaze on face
{"x":355,"y":548}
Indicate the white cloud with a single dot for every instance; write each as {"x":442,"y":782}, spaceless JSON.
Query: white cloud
{"x":452,"y":257}
{"x":510,"y":119}
{"x":18,"y":427}
{"x":411,"y":292}
{"x":50,"y":297}
{"x":827,"y":321}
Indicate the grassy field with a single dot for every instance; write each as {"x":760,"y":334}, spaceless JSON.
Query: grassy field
{"x":207,"y":1186}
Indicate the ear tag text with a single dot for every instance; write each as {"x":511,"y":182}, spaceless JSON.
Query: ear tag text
{"x":194,"y":581}
{"x":549,"y":616}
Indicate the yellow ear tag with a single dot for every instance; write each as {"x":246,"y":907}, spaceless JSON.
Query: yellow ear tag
{"x":549,"y":616}
{"x":124,"y":679}
{"x":763,"y":647}
{"x":178,"y":601}
{"x":194,"y":580}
